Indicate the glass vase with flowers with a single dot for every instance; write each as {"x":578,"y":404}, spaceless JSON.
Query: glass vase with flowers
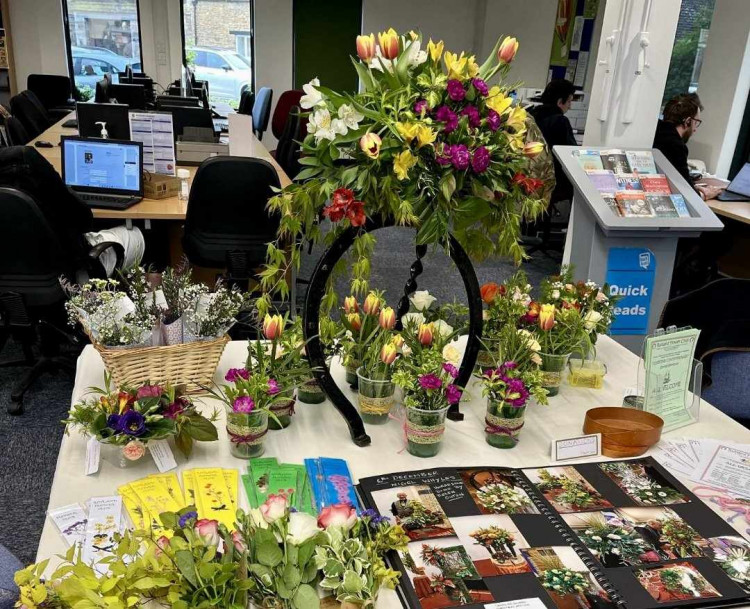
{"x":362,"y":326}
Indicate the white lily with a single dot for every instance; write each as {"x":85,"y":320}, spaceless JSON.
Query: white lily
{"x":323,"y":127}
{"x":415,"y":56}
{"x":349,"y":116}
{"x":312,"y":96}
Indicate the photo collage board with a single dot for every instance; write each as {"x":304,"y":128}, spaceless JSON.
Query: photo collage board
{"x":586,"y":536}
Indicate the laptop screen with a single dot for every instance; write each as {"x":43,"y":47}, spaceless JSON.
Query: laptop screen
{"x":103,"y":165}
{"x":741,"y":182}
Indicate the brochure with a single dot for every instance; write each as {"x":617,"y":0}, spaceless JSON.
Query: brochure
{"x":641,"y":161}
{"x":603,"y":179}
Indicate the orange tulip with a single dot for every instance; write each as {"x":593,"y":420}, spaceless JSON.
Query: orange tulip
{"x":547,"y":317}
{"x":489,"y":292}
{"x":387,"y":318}
{"x":355,"y":321}
{"x":508,"y":49}
{"x":370,"y":144}
{"x":366,"y":47}
{"x":425,"y":334}
{"x":397,"y":341}
{"x":372,"y":304}
{"x":273,"y":326}
{"x":388,"y":354}
{"x":351,"y":305}
{"x":533,"y":149}
{"x":388,"y":44}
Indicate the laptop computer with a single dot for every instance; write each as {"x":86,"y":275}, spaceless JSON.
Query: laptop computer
{"x":103,"y":173}
{"x":114,"y":116}
{"x":739,"y":188}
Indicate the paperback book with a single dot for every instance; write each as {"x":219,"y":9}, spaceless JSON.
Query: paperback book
{"x":615,"y":160}
{"x":633,"y":204}
{"x":604,"y":535}
{"x":662,"y":205}
{"x":641,"y":161}
{"x":628,"y":181}
{"x":656,"y":183}
{"x":590,"y":160}
{"x":679,"y":204}
{"x":603,"y":179}
{"x":611,"y":201}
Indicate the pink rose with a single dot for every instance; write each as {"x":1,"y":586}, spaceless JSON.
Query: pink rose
{"x":338,"y":515}
{"x":161,"y":544}
{"x":274,"y":508}
{"x":208,"y":531}
{"x":134,"y":450}
{"x":149,"y":391}
{"x":239,"y":542}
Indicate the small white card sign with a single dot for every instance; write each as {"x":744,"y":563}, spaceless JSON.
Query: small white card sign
{"x":521,"y":603}
{"x":577,"y":447}
{"x":162,"y":454}
{"x":93,"y":455}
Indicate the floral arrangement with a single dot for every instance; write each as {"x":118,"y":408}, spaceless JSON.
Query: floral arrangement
{"x":427,"y":143}
{"x":498,"y":541}
{"x":682,"y":538}
{"x":380,"y":346}
{"x":505,"y":303}
{"x":445,"y":316}
{"x":511,"y":386}
{"x":503,"y":499}
{"x":420,"y":517}
{"x":549,"y":481}
{"x":640,"y":486}
{"x":681,"y":581}
{"x":366,"y":325}
{"x":735,"y":562}
{"x":131,"y":416}
{"x":558,"y":331}
{"x":564,"y":581}
{"x":606,"y":538}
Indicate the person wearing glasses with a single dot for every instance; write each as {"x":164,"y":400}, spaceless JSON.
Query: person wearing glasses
{"x":682,"y":117}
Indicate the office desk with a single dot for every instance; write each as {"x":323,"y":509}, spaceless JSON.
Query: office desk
{"x":148,"y":209}
{"x":735,"y":210}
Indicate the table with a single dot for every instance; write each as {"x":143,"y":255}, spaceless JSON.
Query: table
{"x":318,"y":430}
{"x":148,"y":209}
{"x":737,"y":210}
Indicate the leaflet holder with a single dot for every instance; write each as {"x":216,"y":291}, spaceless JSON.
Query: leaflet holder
{"x":594,"y":229}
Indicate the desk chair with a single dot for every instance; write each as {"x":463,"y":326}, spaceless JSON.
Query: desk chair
{"x":15,"y":132}
{"x":27,"y":108}
{"x":287,"y":153}
{"x":53,"y":91}
{"x":287,"y":101}
{"x":262,"y":111}
{"x":32,"y":311}
{"x":247,"y":99}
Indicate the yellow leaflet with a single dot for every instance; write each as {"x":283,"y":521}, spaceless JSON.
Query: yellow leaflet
{"x":189,"y":486}
{"x":213,"y":495}
{"x":232,"y":480}
{"x":155,"y":496}
{"x":137,"y":512}
{"x":173,"y":486}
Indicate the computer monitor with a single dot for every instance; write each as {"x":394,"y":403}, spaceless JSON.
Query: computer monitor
{"x":171,"y":101}
{"x":102,"y":166}
{"x":189,"y":117}
{"x":132,"y":95}
{"x":101,"y":96}
{"x":115,"y":117}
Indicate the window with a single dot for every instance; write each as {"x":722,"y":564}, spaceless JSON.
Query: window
{"x":218,"y":45}
{"x":103,"y":36}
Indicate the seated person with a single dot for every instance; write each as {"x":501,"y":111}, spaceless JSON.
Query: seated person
{"x":682,"y":117}
{"x":23,"y":168}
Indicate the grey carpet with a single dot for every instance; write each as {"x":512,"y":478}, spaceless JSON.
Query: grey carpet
{"x":29,"y":443}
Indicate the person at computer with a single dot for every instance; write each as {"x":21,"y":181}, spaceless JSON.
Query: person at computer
{"x":23,"y":168}
{"x":682,"y":117}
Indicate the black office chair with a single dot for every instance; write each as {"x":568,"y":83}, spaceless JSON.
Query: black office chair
{"x":262,"y":111}
{"x":227,"y":225}
{"x":247,"y":99}
{"x":32,"y":261}
{"x":15,"y":132}
{"x":54,"y":92}
{"x":27,"y":108}
{"x":288,"y":151}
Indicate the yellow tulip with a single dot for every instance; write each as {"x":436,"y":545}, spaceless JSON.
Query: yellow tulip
{"x":403,"y":163}
{"x":425,"y":135}
{"x":370,"y":144}
{"x":388,"y":354}
{"x":273,"y":326}
{"x":547,"y":317}
{"x":397,"y":341}
{"x":425,"y":334}
{"x":435,"y":50}
{"x":387,"y":319}
{"x":508,"y":49}
{"x":498,"y":101}
{"x":388,"y":43}
{"x":366,"y":47}
{"x":456,"y":65}
{"x":408,"y":131}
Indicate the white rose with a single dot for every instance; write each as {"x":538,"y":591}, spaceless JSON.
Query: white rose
{"x":301,"y":528}
{"x":555,"y":294}
{"x":413,"y":319}
{"x":451,"y":355}
{"x":442,"y":328}
{"x":616,"y":551}
{"x":591,"y":319}
{"x":422,"y":299}
{"x":312,"y":96}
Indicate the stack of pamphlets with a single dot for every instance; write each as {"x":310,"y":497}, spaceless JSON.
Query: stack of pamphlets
{"x":266,"y":476}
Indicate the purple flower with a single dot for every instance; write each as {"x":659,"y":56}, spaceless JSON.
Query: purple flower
{"x":235,"y":374}
{"x":149,"y":391}
{"x":451,"y":370}
{"x":474,"y":119}
{"x":452,"y":394}
{"x":445,"y":115}
{"x":243,"y":404}
{"x":187,"y":516}
{"x":420,"y":106}
{"x":273,"y":387}
{"x":430,"y":381}
{"x":480,"y":87}
{"x":113,"y":422}
{"x":445,"y":157}
{"x":493,"y":120}
{"x":132,"y":423}
{"x":510,"y":365}
{"x":480,"y":160}
{"x":455,"y":90}
{"x":460,"y":156}
{"x":175,"y":408}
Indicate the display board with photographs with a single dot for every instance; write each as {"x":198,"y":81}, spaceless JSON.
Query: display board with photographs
{"x":586,"y":536}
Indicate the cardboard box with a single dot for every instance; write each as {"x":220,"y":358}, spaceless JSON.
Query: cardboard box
{"x":158,"y":186}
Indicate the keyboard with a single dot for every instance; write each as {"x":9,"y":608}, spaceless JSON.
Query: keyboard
{"x":108,"y":201}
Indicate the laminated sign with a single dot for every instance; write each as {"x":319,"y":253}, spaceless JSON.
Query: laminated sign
{"x":630,"y":275}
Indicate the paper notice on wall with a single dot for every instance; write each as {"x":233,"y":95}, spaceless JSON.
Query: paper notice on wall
{"x":575,"y":40}
{"x":570,"y":71}
{"x":155,"y":131}
{"x":581,"y":68}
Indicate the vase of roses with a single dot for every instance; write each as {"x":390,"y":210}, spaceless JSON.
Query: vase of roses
{"x":428,"y":383}
{"x":129,"y":417}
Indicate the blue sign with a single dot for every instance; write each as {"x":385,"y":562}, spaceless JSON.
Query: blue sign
{"x":630,"y":275}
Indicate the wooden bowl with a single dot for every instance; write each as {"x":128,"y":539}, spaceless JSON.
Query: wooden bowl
{"x":626,"y":432}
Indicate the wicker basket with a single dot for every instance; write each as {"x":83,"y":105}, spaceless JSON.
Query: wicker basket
{"x":189,"y":364}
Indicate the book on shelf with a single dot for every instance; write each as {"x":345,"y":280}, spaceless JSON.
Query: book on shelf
{"x":628,"y":181}
{"x":656,"y":183}
{"x":607,"y":535}
{"x":679,"y":204}
{"x":641,"y":161}
{"x":589,"y":160}
{"x":615,"y":160}
{"x":633,"y":204}
{"x":662,"y":205}
{"x":603,"y":179}
{"x":611,"y":201}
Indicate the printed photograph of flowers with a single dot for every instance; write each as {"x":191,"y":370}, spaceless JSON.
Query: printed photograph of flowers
{"x":494,"y":491}
{"x":569,"y":583}
{"x":642,"y":482}
{"x":443,"y":574}
{"x":663,"y":529}
{"x":675,"y":582}
{"x":566,"y":489}
{"x":416,"y":509}
{"x":493,"y":543}
{"x":732,"y":554}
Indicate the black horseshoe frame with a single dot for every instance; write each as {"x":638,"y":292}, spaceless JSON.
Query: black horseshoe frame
{"x":311,"y":319}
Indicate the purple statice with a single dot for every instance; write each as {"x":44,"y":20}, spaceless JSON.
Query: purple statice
{"x":480,"y":160}
{"x":493,"y":120}
{"x":149,"y":391}
{"x":273,"y":387}
{"x":430,"y":381}
{"x":460,"y":156}
{"x":421,"y":106}
{"x":452,"y":394}
{"x":235,"y":374}
{"x":243,"y":404}
{"x":444,"y":158}
{"x":185,"y":517}
{"x":480,"y":87}
{"x":451,"y":370}
{"x":132,"y":423}
{"x":448,"y":117}
{"x":455,"y":90}
{"x":474,"y":119}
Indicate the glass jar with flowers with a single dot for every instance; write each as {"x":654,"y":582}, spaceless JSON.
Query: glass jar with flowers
{"x":428,"y":382}
{"x":130,"y":417}
{"x":362,"y":327}
{"x":331,"y":332}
